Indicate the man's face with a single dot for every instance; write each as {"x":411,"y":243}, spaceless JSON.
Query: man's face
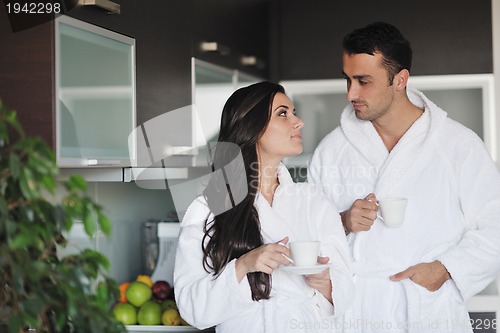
{"x":368,"y":86}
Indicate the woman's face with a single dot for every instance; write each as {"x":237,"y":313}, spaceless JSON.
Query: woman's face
{"x":282,"y":136}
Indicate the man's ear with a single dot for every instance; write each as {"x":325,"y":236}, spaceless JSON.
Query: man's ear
{"x":401,"y":79}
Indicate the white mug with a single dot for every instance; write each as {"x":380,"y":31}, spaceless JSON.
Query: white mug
{"x":393,"y":211}
{"x":304,"y":253}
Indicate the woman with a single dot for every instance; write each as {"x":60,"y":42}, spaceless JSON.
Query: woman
{"x":232,"y":246}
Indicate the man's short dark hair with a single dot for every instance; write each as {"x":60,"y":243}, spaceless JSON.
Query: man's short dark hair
{"x":383,"y":38}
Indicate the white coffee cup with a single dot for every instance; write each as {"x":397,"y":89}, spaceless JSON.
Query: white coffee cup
{"x":304,"y":253}
{"x":393,"y":211}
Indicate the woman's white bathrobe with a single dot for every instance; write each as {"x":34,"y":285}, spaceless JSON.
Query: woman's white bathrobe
{"x":299,"y":211}
{"x":453,"y":215}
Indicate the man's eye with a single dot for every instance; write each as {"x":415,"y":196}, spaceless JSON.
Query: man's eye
{"x":363,"y":83}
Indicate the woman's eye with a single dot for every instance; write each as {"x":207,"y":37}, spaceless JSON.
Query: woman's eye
{"x":282,"y":113}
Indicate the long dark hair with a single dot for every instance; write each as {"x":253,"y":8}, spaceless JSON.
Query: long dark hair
{"x":235,"y":229}
{"x":384,"y":38}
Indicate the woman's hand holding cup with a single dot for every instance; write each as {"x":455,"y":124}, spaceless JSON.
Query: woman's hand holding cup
{"x":266,"y":258}
{"x":321,"y":281}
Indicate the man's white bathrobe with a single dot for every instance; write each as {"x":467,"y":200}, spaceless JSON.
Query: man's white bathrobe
{"x":299,"y":211}
{"x":453,"y":215}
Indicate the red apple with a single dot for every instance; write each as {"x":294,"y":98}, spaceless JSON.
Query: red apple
{"x":162,"y":290}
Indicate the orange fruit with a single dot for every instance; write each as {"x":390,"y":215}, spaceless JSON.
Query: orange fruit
{"x":123,"y":288}
{"x":145,"y":279}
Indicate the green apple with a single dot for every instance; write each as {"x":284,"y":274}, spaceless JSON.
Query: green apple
{"x":149,"y":313}
{"x":125,"y":313}
{"x":168,"y":304}
{"x":138,"y":293}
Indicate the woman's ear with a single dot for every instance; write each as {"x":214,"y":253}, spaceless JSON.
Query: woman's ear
{"x":401,"y":79}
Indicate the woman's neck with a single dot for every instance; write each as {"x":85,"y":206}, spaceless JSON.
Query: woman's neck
{"x":268,"y":180}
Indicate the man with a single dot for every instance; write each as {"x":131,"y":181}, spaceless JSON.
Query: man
{"x":394,"y":142}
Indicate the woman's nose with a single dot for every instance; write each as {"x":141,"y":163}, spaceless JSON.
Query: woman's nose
{"x":299,"y":123}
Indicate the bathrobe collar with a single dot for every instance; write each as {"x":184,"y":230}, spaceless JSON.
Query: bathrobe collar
{"x":284,"y":179}
{"x":273,"y":226}
{"x":403,"y":157}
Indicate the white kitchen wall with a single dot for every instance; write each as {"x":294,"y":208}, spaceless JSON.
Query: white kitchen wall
{"x":128,"y":206}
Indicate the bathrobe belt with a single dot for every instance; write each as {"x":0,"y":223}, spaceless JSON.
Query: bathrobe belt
{"x":370,"y":271}
{"x":375,"y":271}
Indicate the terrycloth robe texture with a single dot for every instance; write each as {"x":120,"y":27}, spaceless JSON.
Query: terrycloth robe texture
{"x":453,"y":215}
{"x":299,"y":211}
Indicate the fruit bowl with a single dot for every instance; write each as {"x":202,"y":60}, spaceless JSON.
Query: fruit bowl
{"x":145,"y":305}
{"x":164,"y":328}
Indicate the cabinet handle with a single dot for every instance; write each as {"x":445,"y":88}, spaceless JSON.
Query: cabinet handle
{"x":214,"y":47}
{"x":180,"y":151}
{"x":96,"y":162}
{"x":252,"y":61}
{"x":104,"y":4}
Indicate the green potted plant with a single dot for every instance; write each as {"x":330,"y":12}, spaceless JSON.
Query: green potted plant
{"x":39,"y":290}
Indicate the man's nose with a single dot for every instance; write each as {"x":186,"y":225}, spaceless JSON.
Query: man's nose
{"x":352,"y":92}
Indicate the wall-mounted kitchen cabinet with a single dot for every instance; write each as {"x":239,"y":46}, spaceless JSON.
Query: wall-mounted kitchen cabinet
{"x":447,"y":36}
{"x":95,"y":93}
{"x":162,"y":31}
{"x":233,"y":34}
{"x":468,"y":99}
{"x":212,"y":86}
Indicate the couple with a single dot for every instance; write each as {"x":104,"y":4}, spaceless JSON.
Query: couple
{"x":415,"y":278}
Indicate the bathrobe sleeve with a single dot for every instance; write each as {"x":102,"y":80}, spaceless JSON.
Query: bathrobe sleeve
{"x":204,"y":300}
{"x":475,"y":261}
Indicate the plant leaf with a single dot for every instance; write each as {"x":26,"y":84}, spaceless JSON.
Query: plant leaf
{"x":104,"y":223}
{"x":89,"y":224}
{"x":15,"y":322}
{"x":28,"y":185}
{"x":14,"y":165}
{"x":34,"y":280}
{"x":11,"y":119}
{"x":21,"y":241}
{"x":77,"y":182}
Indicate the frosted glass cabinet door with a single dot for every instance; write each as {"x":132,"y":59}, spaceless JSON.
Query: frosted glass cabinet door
{"x":95,"y":88}
{"x":212,"y":87}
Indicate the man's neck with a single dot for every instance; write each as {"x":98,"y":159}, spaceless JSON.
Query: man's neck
{"x":392,"y":126}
